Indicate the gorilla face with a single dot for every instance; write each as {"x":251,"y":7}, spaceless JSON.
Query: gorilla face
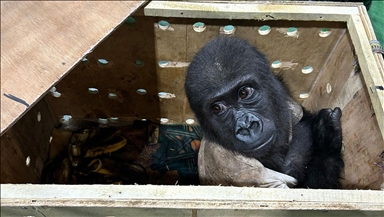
{"x":228,"y":85}
{"x":237,"y":113}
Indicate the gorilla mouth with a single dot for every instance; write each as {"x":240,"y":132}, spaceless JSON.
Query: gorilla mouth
{"x":243,"y":132}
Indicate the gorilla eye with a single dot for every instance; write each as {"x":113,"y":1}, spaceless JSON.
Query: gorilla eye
{"x":245,"y":91}
{"x":217,"y":108}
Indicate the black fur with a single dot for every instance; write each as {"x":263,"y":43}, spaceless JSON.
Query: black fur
{"x":241,"y":105}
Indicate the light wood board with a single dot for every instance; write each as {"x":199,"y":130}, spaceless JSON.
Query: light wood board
{"x":42,"y":40}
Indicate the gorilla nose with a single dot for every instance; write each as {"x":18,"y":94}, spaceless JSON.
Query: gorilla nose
{"x":247,"y":123}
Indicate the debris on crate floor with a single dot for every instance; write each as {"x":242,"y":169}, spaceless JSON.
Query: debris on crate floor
{"x":143,"y":153}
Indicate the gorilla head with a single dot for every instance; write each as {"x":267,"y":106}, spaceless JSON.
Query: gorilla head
{"x":237,"y":100}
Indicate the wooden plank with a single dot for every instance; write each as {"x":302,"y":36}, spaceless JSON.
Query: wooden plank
{"x":28,"y":138}
{"x":191,"y":197}
{"x":128,"y":43}
{"x":251,"y":10}
{"x":42,"y":40}
{"x":372,"y":76}
{"x":166,"y":212}
{"x":361,"y":149}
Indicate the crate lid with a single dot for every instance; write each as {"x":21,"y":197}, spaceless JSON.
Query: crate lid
{"x":42,"y":41}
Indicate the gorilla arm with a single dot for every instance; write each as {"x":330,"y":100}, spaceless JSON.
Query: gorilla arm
{"x":219,"y":166}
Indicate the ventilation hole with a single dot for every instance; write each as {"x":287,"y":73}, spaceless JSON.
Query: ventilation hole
{"x":112,"y":95}
{"x":130,"y":20}
{"x":141,"y":91}
{"x":28,"y":161}
{"x":162,"y":94}
{"x":56,"y":94}
{"x":65,"y":118}
{"x":163,"y":24}
{"x":229,"y":29}
{"x":38,"y":116}
{"x":276,"y":64}
{"x":143,"y":119}
{"x":303,"y":95}
{"x":84,"y":59}
{"x":166,"y":95}
{"x":164,"y":120}
{"x":199,"y":27}
{"x":329,"y":87}
{"x":342,"y":148}
{"x":324,"y":32}
{"x":163,"y":63}
{"x":139,"y":63}
{"x":93,"y":90}
{"x":50,"y":139}
{"x":292,"y":31}
{"x":102,"y":61}
{"x":307,"y":69}
{"x":264,"y":30}
{"x":190,"y":121}
{"x":102,"y":121}
{"x":113,"y":118}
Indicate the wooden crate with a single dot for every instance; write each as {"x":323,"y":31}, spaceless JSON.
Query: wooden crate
{"x":44,"y":45}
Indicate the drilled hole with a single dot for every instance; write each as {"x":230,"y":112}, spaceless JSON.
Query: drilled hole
{"x":139,"y":63}
{"x":141,"y":91}
{"x":102,"y":61}
{"x":130,"y":20}
{"x":163,"y":63}
{"x":276,"y":64}
{"x":38,"y":116}
{"x":28,"y":161}
{"x":329,"y":87}
{"x":292,"y":31}
{"x":112,"y":95}
{"x":102,"y":121}
{"x":93,"y":90}
{"x":229,"y":29}
{"x":190,"y":121}
{"x":164,"y":120}
{"x":307,"y":69}
{"x":163,"y":24}
{"x":264,"y":30}
{"x":199,"y":27}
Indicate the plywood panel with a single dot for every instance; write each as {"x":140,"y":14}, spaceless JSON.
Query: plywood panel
{"x":307,"y":49}
{"x":29,"y":137}
{"x":340,"y":85}
{"x":130,"y":42}
{"x":363,"y":144}
{"x":42,"y":40}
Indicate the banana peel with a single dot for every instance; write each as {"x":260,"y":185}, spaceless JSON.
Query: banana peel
{"x":97,"y":164}
{"x":106,"y":149}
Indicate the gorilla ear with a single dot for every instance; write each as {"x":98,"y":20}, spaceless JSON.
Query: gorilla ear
{"x":296,"y":111}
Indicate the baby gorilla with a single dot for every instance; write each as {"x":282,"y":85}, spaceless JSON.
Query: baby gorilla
{"x":242,"y":106}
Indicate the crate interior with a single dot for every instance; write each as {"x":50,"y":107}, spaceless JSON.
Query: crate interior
{"x":133,"y":53}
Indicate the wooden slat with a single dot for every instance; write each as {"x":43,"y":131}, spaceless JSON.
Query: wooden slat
{"x":258,"y":10}
{"x":369,"y":68}
{"x":42,"y":40}
{"x":192,"y":197}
